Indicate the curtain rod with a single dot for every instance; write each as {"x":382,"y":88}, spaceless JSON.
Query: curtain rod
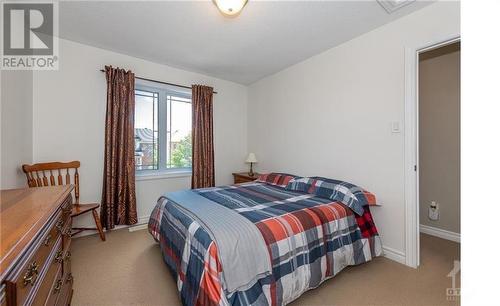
{"x":166,"y":83}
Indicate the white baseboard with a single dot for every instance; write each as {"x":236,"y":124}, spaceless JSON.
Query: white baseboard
{"x":441,"y":233}
{"x":138,"y":227}
{"x":143,"y":219}
{"x":142,"y":223}
{"x":395,"y":255}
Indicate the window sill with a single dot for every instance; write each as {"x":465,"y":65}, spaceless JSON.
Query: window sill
{"x":161,"y":175}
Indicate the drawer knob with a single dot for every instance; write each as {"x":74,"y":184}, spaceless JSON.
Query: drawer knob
{"x":47,"y":240}
{"x":68,"y":256}
{"x":69,"y":278}
{"x":59,"y":225}
{"x":30,"y":276}
{"x":67,"y":232}
{"x":58,"y":286}
{"x":59,"y":256}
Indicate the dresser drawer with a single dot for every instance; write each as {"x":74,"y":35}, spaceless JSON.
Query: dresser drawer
{"x":54,"y":285}
{"x":238,"y":180}
{"x":28,"y":276}
{"x":67,"y":261}
{"x":66,"y":208}
{"x":65,"y":295}
{"x":51,"y":284}
{"x":54,"y":233}
{"x":66,"y":235}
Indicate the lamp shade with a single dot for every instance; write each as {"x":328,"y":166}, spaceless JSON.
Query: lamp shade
{"x":251,"y":158}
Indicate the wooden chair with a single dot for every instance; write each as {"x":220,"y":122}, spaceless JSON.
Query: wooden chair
{"x":37,"y":177}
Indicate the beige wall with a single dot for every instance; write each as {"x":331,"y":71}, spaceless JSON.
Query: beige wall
{"x":439,"y":143}
{"x":16,"y":125}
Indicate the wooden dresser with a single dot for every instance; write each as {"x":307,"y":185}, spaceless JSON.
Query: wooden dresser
{"x":35,"y":239}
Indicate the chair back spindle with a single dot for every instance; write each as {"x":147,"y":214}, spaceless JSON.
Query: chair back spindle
{"x":67,"y":176}
{"x":52,"y":181}
{"x":38,"y":179}
{"x":45,"y":181}
{"x":77,"y":184}
{"x":59,"y":177}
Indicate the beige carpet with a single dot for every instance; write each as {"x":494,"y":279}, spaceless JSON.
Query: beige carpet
{"x":128,"y":269}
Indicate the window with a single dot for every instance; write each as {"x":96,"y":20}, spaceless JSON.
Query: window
{"x":162,"y":128}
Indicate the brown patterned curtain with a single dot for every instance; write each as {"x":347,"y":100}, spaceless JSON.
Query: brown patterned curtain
{"x":203,"y":137}
{"x":118,"y":190}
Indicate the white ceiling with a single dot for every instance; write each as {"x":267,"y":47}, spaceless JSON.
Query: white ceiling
{"x":264,"y":39}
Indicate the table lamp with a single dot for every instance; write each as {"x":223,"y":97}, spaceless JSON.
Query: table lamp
{"x":251,"y":159}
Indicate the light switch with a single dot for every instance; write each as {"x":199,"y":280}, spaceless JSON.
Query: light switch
{"x":395,"y":128}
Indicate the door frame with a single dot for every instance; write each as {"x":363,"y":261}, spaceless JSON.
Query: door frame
{"x":411,"y":147}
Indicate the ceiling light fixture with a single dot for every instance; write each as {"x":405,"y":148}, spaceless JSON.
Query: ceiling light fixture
{"x":230,"y":8}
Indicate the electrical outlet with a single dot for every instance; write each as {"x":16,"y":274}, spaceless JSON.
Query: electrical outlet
{"x":434,"y":211}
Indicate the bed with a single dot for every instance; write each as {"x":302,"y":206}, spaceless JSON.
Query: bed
{"x":259,"y":243}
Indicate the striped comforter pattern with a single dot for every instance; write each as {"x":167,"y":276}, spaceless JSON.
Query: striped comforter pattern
{"x":309,"y":239}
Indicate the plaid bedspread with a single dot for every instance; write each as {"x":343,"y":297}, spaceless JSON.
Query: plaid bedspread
{"x":309,"y":239}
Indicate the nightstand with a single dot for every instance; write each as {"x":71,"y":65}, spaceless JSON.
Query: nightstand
{"x":243,"y":177}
